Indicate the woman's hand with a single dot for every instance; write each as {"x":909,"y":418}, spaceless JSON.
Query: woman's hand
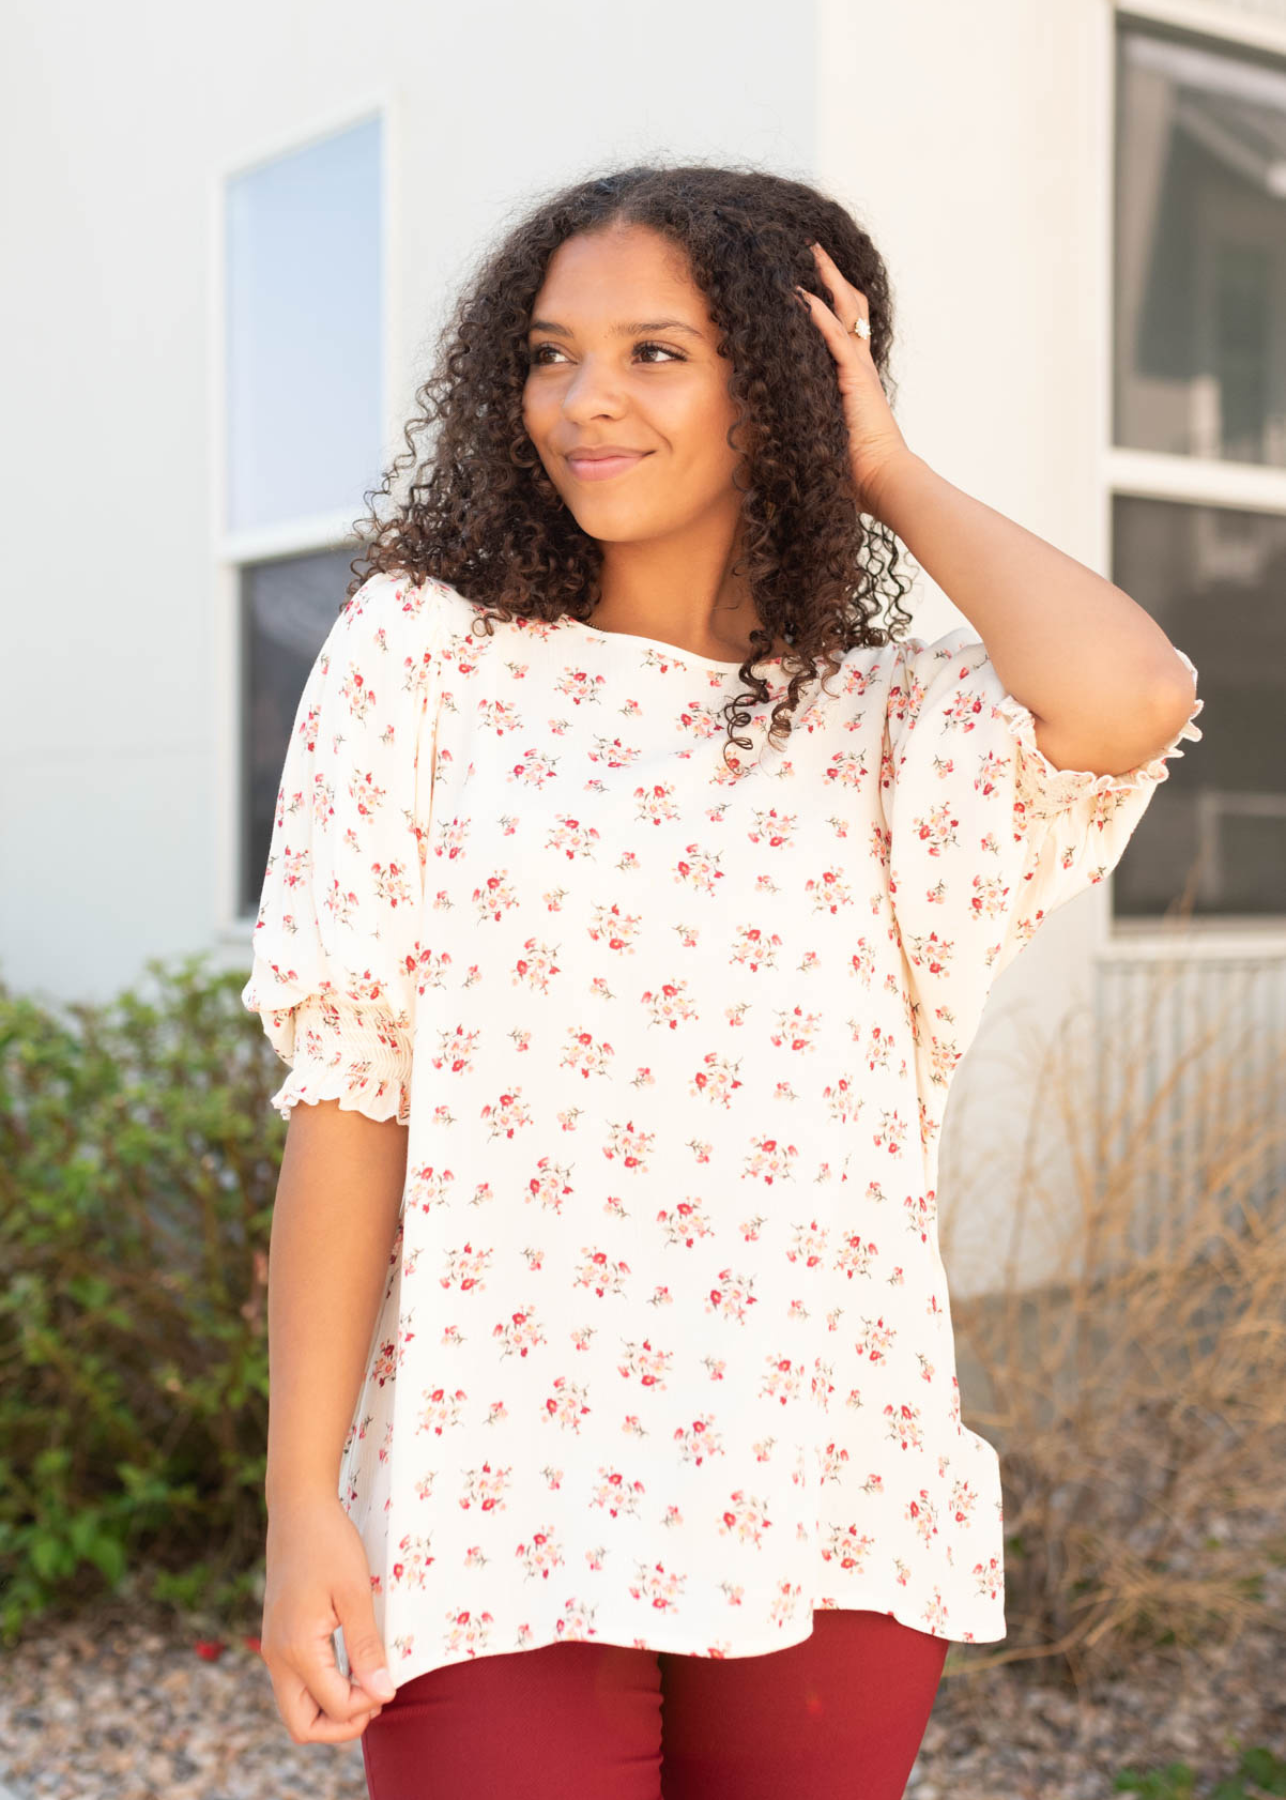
{"x":317,"y":1579}
{"x":876,"y":444}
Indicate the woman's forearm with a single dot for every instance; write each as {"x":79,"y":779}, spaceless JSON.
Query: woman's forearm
{"x":1089,"y":662}
{"x":333,"y":1226}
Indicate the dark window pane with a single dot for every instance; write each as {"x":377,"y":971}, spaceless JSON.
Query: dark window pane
{"x":1200,"y":258}
{"x":1214,"y":578}
{"x":287,"y":608}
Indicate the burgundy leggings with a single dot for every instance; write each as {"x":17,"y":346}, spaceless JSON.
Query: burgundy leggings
{"x":841,"y":1714}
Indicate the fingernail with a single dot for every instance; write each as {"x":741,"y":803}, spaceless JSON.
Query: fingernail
{"x":381,"y":1683}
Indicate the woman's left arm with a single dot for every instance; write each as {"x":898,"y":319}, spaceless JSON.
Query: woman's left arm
{"x":1104,"y":682}
{"x":1106,"y":687}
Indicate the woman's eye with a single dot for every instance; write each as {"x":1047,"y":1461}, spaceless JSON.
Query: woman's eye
{"x":536,"y":356}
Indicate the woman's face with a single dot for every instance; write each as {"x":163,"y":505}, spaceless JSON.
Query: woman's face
{"x":622,"y":352}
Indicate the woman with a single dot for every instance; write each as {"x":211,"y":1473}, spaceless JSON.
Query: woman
{"x":614,"y":1412}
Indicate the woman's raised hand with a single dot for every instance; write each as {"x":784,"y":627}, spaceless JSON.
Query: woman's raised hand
{"x":875,"y":443}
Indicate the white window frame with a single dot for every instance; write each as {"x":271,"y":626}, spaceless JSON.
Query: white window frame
{"x":232,"y":550}
{"x":1201,"y":481}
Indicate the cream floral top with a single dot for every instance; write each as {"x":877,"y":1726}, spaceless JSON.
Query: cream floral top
{"x":665,"y":1354}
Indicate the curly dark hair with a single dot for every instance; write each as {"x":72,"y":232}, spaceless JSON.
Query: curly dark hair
{"x":480,"y":512}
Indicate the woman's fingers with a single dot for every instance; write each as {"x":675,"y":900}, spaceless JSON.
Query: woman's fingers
{"x":307,"y":1722}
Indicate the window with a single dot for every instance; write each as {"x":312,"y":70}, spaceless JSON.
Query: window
{"x":304,"y":430}
{"x":1198,"y":464}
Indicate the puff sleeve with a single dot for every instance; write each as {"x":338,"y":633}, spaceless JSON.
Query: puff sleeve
{"x":986,"y":838}
{"x":337,"y":940}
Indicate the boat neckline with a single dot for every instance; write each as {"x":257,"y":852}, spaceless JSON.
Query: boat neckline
{"x":674,"y":650}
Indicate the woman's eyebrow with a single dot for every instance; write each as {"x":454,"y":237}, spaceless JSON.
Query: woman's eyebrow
{"x":620,"y":330}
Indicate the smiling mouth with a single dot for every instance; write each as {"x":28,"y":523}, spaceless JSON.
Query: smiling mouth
{"x":601,"y":468}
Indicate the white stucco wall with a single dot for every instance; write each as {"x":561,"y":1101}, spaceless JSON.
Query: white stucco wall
{"x":975,"y":143}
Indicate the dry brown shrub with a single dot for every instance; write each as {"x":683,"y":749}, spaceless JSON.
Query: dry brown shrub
{"x":1136,"y":1389}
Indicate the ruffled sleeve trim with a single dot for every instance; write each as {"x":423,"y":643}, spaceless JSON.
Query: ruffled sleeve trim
{"x":1046,"y":791}
{"x":339,"y":1050}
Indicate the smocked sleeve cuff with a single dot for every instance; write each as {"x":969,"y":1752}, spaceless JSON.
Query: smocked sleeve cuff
{"x":340,"y":1050}
{"x":1047,"y":792}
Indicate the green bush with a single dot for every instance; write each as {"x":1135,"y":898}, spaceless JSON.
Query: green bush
{"x":138,"y":1163}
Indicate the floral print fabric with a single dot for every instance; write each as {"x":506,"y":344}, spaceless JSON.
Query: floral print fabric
{"x":665,"y":1353}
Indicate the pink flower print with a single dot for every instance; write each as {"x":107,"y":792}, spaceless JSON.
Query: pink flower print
{"x":342,"y":905}
{"x":772,"y":829}
{"x":465,"y":1269}
{"x":937,"y":829}
{"x":616,"y":1495}
{"x":922,"y":1212}
{"x":782,"y":1379}
{"x":500,"y":716}
{"x":656,"y":803}
{"x":795,"y":1030}
{"x":875,"y":1340}
{"x":428,"y":1186}
{"x":699,"y":868}
{"x":862,"y":962}
{"x":572,"y":838}
{"x":808,"y":1244}
{"x":988,"y":1577}
{"x":535,"y":967}
{"x":366,"y":796}
{"x":922,"y":1513}
{"x":844,"y":1546}
{"x":632,"y":1146}
{"x":587,"y":1057}
{"x":829,"y":891}
{"x":549,"y":1185}
{"x":716,"y":1079}
{"x":580,"y":687}
{"x":494,"y":897}
{"x":684,"y":1224}
{"x":890,"y":1134}
{"x":963,"y":1503}
{"x":754,"y":949}
{"x":391,"y":884}
{"x":359,"y":696}
{"x":832,"y":1460}
{"x":518,"y":1332}
{"x":732,"y":1297}
{"x":785,"y":1604}
{"x":567,"y":1405}
{"x":440,"y":1409}
{"x":746,"y":1517}
{"x":904,"y":1425}
{"x":456,"y":1051}
{"x":770,"y":1160}
{"x":609,"y":926}
{"x":575,"y":1626}
{"x":649,"y":1365}
{"x":699,"y":1440}
{"x":822,"y":1387}
{"x":600,"y":1272}
{"x":413,"y":1564}
{"x":663,"y":1591}
{"x":296,"y":866}
{"x":935,"y":1614}
{"x":506,"y":1114}
{"x":466,"y":1634}
{"x":541,"y":1555}
{"x":613,"y":752}
{"x":669,"y":1005}
{"x":485,"y":1488}
{"x":843,"y":1100}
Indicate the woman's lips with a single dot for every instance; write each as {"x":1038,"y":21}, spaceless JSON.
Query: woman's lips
{"x":601,"y":468}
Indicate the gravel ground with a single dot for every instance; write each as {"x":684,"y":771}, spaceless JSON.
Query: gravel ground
{"x":114,"y":1705}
